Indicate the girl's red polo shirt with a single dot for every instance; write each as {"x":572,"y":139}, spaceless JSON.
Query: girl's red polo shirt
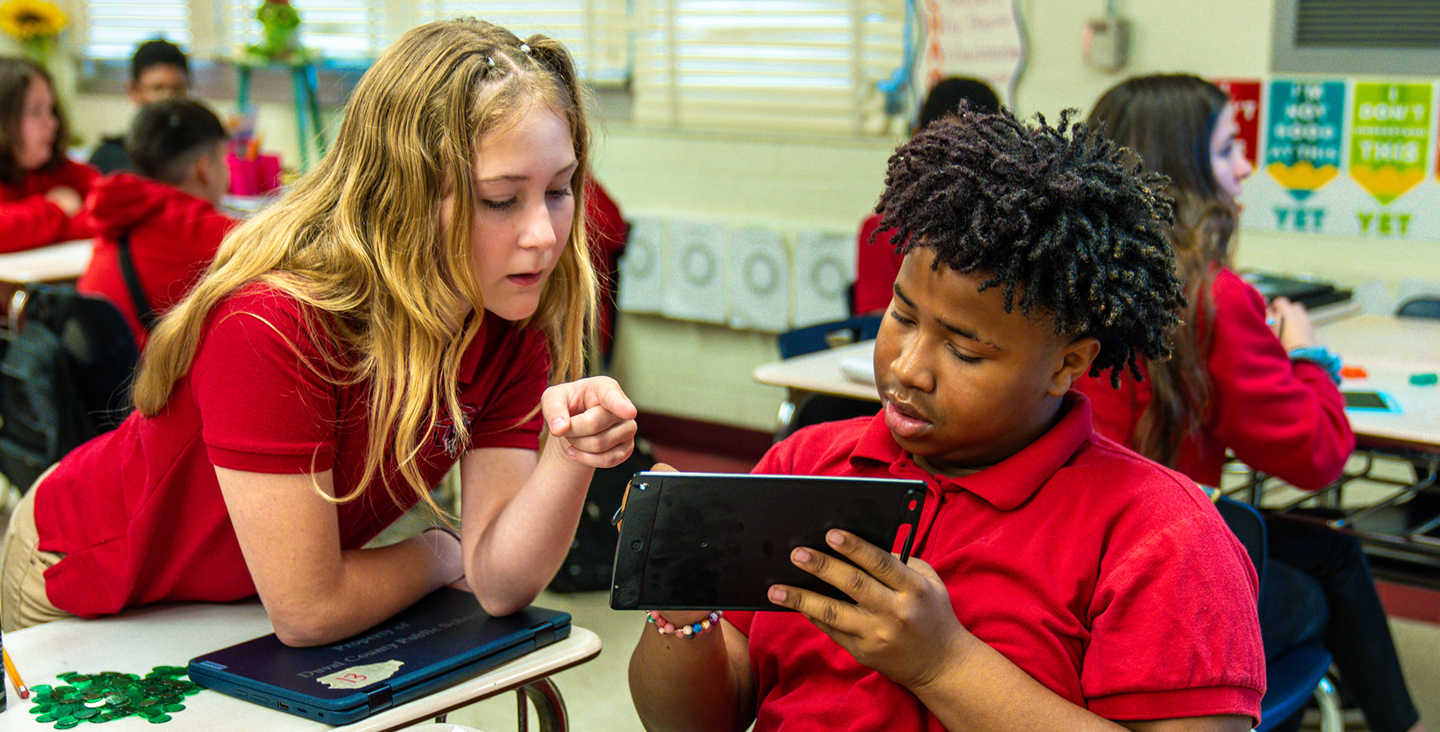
{"x":138,"y":511}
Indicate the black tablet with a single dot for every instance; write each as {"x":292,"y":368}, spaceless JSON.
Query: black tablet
{"x":708,"y":541}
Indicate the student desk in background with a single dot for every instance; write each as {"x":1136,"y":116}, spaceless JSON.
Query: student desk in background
{"x":138,"y":640}
{"x":847,"y":371}
{"x":1390,"y":350}
{"x":1397,"y":453}
{"x":63,"y":262}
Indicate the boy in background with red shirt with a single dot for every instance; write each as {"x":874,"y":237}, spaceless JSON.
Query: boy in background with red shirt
{"x":1059,"y":580}
{"x":168,"y":217}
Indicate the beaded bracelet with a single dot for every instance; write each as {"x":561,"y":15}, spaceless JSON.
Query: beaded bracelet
{"x":692,"y":630}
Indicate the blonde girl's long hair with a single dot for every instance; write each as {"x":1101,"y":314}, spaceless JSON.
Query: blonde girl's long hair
{"x":1167,"y":120}
{"x":357,"y":239}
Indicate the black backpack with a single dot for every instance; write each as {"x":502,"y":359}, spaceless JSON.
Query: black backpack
{"x":64,"y":377}
{"x":591,"y":561}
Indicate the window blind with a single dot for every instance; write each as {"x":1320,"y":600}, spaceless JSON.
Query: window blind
{"x":595,"y":31}
{"x":111,"y":29}
{"x":808,"y":65}
{"x":334,"y":29}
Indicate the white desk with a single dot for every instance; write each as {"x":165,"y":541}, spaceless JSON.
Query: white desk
{"x":139,"y":640}
{"x":1390,"y":350}
{"x":820,"y":372}
{"x":55,"y":263}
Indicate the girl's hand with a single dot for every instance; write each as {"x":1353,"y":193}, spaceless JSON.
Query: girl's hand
{"x":1291,"y":323}
{"x":901,"y":625}
{"x":592,"y":419}
{"x":66,"y":198}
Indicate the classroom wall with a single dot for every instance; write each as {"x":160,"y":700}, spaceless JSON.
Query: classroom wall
{"x":702,"y":371}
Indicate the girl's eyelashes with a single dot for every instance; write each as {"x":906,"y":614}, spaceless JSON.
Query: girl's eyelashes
{"x":558,"y":193}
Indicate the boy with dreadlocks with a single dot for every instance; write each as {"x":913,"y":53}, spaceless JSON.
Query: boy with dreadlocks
{"x":1059,"y":580}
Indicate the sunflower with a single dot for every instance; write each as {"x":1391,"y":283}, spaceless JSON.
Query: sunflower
{"x":29,"y":20}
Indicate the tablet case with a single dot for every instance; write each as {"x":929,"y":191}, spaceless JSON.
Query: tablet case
{"x":441,"y":640}
{"x":705,"y":541}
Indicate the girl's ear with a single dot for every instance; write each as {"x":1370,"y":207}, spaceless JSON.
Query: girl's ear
{"x":1075,"y":358}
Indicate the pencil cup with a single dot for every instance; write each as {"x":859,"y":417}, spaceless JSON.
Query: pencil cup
{"x":267,"y":173}
{"x":253,"y":176}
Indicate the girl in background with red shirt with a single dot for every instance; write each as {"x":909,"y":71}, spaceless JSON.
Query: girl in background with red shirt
{"x":1249,"y":378}
{"x":41,"y":190}
{"x":403,"y":308}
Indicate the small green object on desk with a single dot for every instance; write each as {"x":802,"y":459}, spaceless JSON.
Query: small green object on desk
{"x":110,"y":695}
{"x":1426,"y":379}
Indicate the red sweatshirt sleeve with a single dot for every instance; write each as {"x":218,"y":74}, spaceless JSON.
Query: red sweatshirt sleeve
{"x":28,"y":220}
{"x":1281,"y":417}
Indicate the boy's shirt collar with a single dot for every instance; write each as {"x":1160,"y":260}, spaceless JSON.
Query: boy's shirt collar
{"x":1005,"y":485}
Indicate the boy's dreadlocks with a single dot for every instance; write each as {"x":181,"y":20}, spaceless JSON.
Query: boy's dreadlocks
{"x":1059,"y":211}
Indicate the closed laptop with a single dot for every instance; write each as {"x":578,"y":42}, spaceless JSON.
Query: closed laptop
{"x":439,"y":641}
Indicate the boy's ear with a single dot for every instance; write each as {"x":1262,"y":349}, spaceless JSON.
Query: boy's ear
{"x":205,"y":170}
{"x":132,"y":90}
{"x":1075,"y":359}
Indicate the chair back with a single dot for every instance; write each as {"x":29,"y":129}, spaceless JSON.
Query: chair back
{"x":1295,"y":674}
{"x":1249,"y":527}
{"x":1424,"y":306}
{"x":818,"y":337}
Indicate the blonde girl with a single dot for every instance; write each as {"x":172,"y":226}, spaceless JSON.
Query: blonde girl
{"x":403,"y":308}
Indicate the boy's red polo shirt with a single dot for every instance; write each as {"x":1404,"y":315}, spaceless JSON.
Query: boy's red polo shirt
{"x":1109,"y":579}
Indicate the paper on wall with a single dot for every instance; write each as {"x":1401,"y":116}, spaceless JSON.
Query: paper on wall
{"x":759,"y":280}
{"x":641,"y":283}
{"x":824,"y":269}
{"x":696,"y":262}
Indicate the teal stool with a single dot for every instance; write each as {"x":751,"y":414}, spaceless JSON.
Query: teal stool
{"x":305,"y":83}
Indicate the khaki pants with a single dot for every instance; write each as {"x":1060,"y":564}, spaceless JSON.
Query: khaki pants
{"x":23,"y":602}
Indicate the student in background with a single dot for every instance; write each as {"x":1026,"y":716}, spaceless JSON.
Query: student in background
{"x":876,"y":258}
{"x":401,"y":309}
{"x":1249,"y":378}
{"x":159,"y":70}
{"x":41,"y":190}
{"x":167,"y":218}
{"x":1058,"y":581}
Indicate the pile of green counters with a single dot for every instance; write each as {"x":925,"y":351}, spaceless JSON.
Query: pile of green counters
{"x":110,"y":695}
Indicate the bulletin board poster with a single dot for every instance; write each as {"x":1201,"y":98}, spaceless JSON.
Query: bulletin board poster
{"x":1347,"y":157}
{"x":975,"y":38}
{"x":1245,"y":104}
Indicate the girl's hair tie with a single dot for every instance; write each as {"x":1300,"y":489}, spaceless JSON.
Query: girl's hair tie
{"x":525,"y":48}
{"x":489,"y":62}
